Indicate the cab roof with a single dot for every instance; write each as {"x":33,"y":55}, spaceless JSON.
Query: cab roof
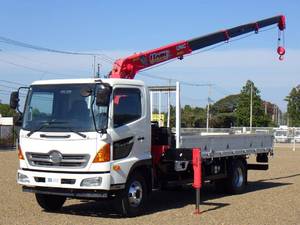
{"x":111,"y":81}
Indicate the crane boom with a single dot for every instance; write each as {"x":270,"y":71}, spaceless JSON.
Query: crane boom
{"x":128,"y":67}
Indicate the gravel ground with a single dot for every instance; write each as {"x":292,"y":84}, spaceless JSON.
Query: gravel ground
{"x":272,"y":197}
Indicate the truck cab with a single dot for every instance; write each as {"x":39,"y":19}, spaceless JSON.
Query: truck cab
{"x":83,"y":137}
{"x":281,"y":134}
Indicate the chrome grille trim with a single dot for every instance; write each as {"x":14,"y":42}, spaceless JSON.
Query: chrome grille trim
{"x":67,"y":161}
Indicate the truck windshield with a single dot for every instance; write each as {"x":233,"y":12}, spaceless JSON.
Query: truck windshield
{"x":281,"y":133}
{"x":62,"y":108}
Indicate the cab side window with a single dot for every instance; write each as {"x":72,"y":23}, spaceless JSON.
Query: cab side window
{"x":127,"y":106}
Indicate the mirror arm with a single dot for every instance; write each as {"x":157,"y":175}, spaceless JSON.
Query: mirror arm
{"x":92,"y":109}
{"x":21,"y":113}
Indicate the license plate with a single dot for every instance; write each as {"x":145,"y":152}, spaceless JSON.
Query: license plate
{"x":52,"y":180}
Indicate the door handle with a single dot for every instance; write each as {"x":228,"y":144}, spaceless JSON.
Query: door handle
{"x":141,"y":138}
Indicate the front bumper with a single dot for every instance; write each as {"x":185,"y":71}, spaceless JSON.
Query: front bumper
{"x":71,"y":193}
{"x":281,"y":140}
{"x":63,"y":180}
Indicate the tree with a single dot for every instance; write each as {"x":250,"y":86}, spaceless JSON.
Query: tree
{"x":190,"y":116}
{"x":223,"y":120}
{"x":259,"y":118}
{"x":223,"y":112}
{"x":225,"y":105}
{"x":293,"y":107}
{"x":5,"y":110}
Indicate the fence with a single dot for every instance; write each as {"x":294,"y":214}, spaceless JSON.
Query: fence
{"x":7,"y":136}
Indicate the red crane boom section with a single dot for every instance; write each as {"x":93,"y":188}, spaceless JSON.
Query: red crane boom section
{"x":128,"y":67}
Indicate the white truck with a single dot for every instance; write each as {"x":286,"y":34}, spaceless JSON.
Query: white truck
{"x":93,"y":138}
{"x":77,"y":144}
{"x":281,"y":134}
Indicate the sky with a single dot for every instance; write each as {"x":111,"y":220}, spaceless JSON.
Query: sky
{"x":120,"y":28}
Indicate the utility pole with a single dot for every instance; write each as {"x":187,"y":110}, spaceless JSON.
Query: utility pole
{"x":98,"y":70}
{"x":94,"y":66}
{"x":266,"y":108}
{"x":279,"y":117}
{"x":208,"y":104}
{"x":169,"y":107}
{"x":276,"y":114}
{"x":159,"y":110}
{"x":251,"y":107}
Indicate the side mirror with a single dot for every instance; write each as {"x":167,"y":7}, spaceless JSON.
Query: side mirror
{"x":14,"y":100}
{"x":103,"y":95}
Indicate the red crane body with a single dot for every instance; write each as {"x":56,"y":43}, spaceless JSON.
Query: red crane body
{"x":128,"y":67}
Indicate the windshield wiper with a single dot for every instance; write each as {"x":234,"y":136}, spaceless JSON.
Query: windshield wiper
{"x":76,"y":132}
{"x":44,"y":125}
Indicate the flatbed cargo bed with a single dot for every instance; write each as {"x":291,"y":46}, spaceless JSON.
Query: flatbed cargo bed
{"x":228,"y":145}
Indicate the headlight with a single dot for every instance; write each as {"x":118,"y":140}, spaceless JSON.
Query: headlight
{"x":91,"y":182}
{"x":22,"y":178}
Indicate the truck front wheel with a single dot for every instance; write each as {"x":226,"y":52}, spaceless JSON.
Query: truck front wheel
{"x":132,"y":201}
{"x":50,"y":202}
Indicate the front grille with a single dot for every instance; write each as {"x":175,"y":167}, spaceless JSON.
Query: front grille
{"x":67,"y":160}
{"x":62,"y":181}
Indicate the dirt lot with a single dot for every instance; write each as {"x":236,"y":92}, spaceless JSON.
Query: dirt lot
{"x":272,"y":197}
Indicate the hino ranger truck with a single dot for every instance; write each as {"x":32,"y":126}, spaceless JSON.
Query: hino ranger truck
{"x":94,"y":139}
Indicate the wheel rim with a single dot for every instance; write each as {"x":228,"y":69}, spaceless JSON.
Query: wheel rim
{"x":135,"y":194}
{"x":238,"y":177}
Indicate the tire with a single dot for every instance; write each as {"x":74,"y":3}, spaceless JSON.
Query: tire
{"x":237,"y":177}
{"x":132,"y":201}
{"x":50,"y":202}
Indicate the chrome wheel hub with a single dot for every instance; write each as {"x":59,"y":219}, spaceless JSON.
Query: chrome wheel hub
{"x":238,"y":177}
{"x":135,"y":194}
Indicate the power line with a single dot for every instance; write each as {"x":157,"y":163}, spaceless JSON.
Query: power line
{"x":28,"y":59}
{"x":10,"y":41}
{"x":174,"y":80}
{"x":7,"y":93}
{"x":34,"y":69}
{"x":5,"y":86}
{"x":194,"y":99}
{"x":12,"y":82}
{"x":222,"y":90}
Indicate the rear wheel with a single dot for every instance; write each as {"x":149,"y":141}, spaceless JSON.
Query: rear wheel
{"x":132,"y":201}
{"x":50,"y":202}
{"x":237,"y":177}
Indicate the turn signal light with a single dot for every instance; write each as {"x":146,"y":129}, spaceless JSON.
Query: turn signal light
{"x":20,"y":154}
{"x":116,"y":167}
{"x":103,"y":155}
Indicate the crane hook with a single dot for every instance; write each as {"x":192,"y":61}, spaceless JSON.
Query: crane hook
{"x":281,"y":52}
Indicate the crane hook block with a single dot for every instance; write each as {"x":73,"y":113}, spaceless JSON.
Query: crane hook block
{"x":281,"y":52}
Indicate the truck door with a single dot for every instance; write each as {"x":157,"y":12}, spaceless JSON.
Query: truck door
{"x":131,"y":125}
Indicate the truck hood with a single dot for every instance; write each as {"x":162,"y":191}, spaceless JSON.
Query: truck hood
{"x":62,"y":151}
